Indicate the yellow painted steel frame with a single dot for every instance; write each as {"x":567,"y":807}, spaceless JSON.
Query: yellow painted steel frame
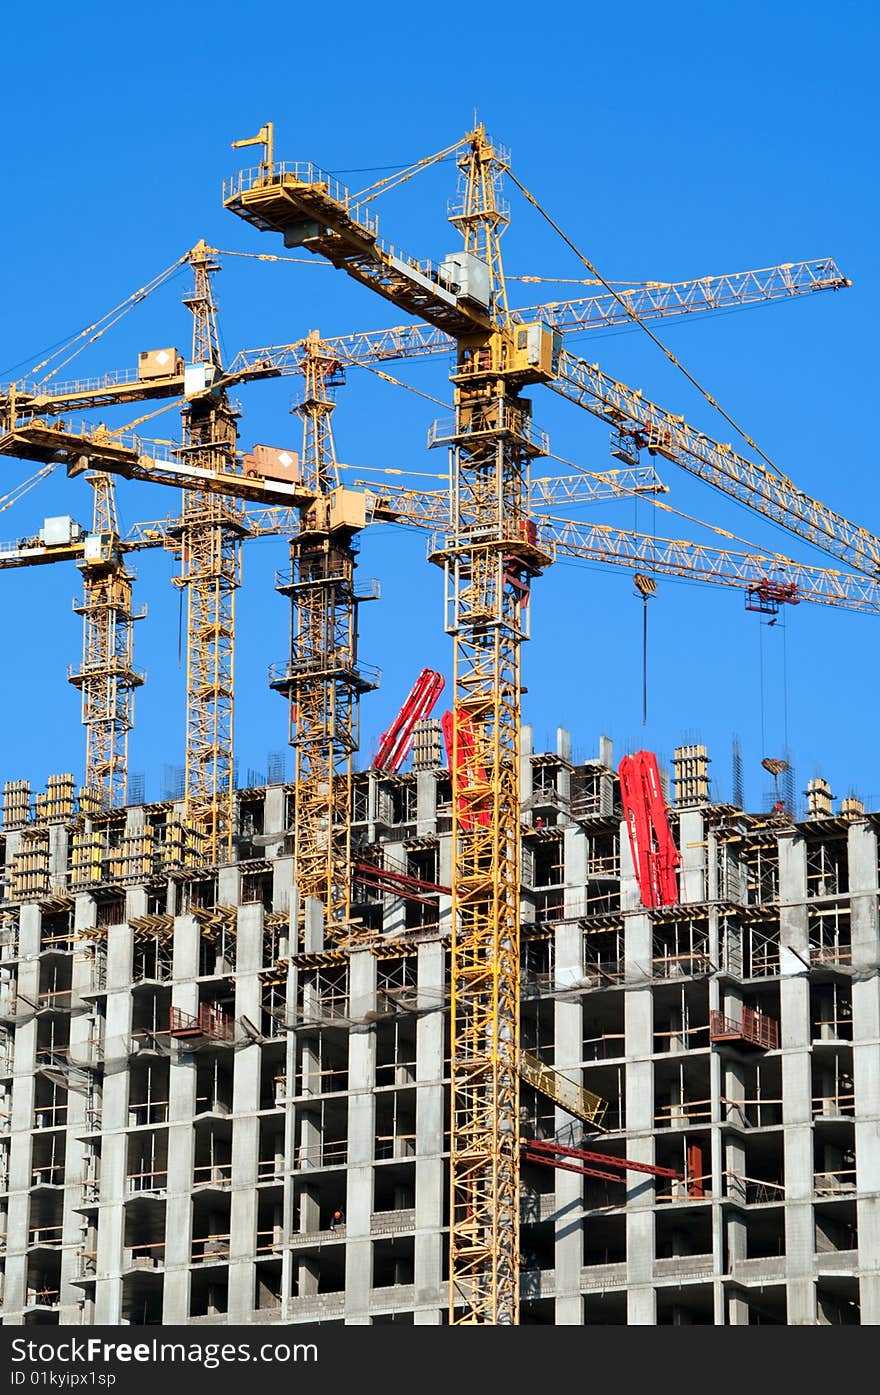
{"x":322,"y":680}
{"x":210,"y":543}
{"x":107,"y":678}
{"x":487,"y":615}
{"x":324,"y":687}
{"x":211,"y":553}
{"x":489,"y":562}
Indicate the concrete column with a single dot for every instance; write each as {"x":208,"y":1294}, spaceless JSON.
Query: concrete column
{"x":692,"y":876}
{"x":426,"y":803}
{"x":394,"y":907}
{"x":866,"y":1061}
{"x":526,"y":782}
{"x":569,"y":1033}
{"x":430,"y":1101}
{"x":361,"y":1141}
{"x":606,"y":781}
{"x":246,"y":1122}
{"x":282,"y":886}
{"x":114,"y":1123}
{"x":639,"y":1032}
{"x":84,"y":1038}
{"x":22,"y":1111}
{"x":275,"y":816}
{"x":797,"y":1107}
{"x":181,"y":1108}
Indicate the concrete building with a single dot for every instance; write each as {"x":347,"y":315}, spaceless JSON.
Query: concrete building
{"x":190,"y":1093}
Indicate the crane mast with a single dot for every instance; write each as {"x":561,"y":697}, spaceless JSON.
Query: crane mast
{"x":209,"y":540}
{"x":489,"y":558}
{"x":107,"y":678}
{"x":322,"y":680}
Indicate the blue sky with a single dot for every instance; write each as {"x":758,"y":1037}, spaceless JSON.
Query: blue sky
{"x":669,"y":141}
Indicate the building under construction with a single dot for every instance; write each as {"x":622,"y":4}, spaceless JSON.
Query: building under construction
{"x":211,"y":1116}
{"x":500,"y":1038}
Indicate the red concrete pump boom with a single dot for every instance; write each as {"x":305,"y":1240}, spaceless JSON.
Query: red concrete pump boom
{"x":469,"y":783}
{"x":655,"y":856}
{"x":395,"y":743}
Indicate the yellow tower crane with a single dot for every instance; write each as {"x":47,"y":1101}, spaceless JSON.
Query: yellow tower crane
{"x":490,"y":557}
{"x":107,"y":678}
{"x":107,"y":683}
{"x":209,"y":539}
{"x":322,"y":679}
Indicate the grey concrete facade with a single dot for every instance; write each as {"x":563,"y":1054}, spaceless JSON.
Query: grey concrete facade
{"x":189,"y":1095}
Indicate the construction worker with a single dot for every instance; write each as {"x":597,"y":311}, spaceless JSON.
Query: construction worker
{"x":337,"y":1219}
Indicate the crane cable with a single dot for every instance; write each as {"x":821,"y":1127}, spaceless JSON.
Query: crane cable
{"x":19,"y":490}
{"x":398,"y":382}
{"x":713,"y":402}
{"x":269,"y":257}
{"x":95,"y":331}
{"x":383,"y":186}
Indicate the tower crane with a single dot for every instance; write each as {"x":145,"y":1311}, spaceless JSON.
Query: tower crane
{"x":210,"y":549}
{"x":209,"y":537}
{"x":490,"y":556}
{"x":107,"y":677}
{"x":108,"y":617}
{"x":323,"y":680}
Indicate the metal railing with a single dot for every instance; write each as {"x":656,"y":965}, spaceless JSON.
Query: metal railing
{"x":45,"y":1237}
{"x":837,"y":1183}
{"x":834,"y":1105}
{"x":148,"y":1112}
{"x":395,"y":1145}
{"x":754,"y":1027}
{"x":567,"y":1093}
{"x":306,"y":173}
{"x":47,"y":1175}
{"x":210,"y":1022}
{"x":321,"y":181}
{"x":141,"y":1256}
{"x":270,"y":1170}
{"x":326,"y":1155}
{"x":681,"y":965}
{"x":206,"y":1248}
{"x":214,"y":1174}
{"x":446,"y":429}
{"x":683,"y":1111}
{"x":146,"y":1182}
{"x":753,"y":1191}
{"x":754,"y":1113}
{"x":43,"y":1297}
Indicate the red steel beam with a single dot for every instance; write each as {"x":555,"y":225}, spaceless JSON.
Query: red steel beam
{"x":547,"y":1161}
{"x":584,"y":1155}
